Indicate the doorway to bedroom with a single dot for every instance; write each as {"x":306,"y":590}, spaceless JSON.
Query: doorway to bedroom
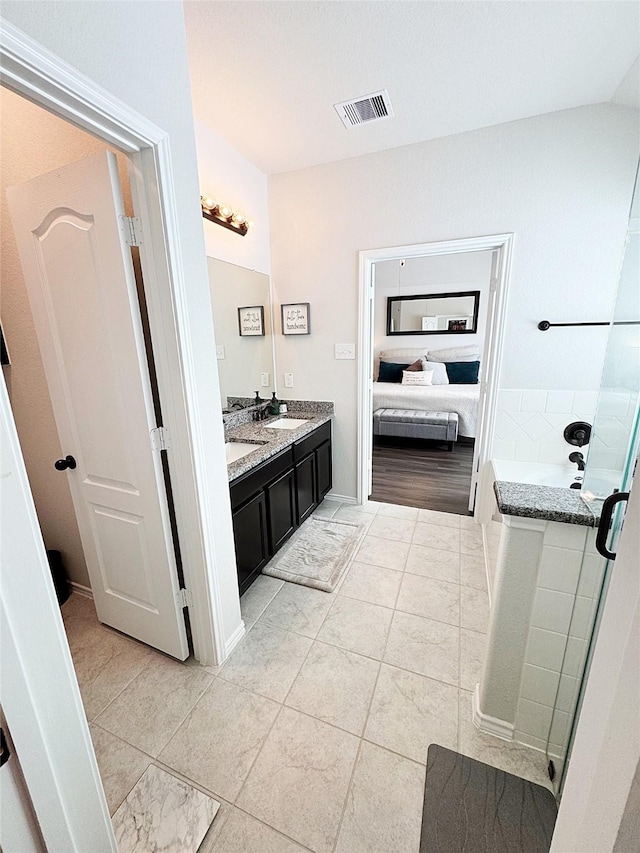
{"x":430,"y":333}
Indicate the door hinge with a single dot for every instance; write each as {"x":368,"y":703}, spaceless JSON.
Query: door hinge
{"x":160,"y":439}
{"x":183,"y":597}
{"x":131,"y":228}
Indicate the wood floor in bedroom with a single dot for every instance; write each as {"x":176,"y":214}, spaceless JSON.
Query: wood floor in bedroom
{"x":418,"y":473}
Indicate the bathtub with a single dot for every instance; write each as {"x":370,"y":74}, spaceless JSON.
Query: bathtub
{"x":536,"y":473}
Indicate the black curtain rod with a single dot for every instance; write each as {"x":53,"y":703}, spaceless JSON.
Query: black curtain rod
{"x":543,"y":325}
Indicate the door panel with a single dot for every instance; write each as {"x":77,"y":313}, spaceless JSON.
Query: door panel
{"x":306,"y":487}
{"x":250,"y":533}
{"x":323,"y":456}
{"x":83,"y":297}
{"x":281,"y":504}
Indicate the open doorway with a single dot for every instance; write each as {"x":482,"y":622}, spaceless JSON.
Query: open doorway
{"x":430,"y":316}
{"x":81,"y":376}
{"x":429,"y":312}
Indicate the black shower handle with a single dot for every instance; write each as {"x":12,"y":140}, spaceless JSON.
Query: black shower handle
{"x":605,"y":523}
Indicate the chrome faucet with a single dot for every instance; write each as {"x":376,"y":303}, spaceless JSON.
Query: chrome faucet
{"x":578,"y":458}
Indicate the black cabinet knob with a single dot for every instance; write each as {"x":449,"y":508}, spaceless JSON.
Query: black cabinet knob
{"x":63,"y":464}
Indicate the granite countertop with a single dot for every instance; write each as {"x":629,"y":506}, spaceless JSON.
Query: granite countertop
{"x":548,"y":503}
{"x":274,"y":440}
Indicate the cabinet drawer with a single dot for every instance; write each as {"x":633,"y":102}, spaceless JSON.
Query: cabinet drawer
{"x":309,"y":443}
{"x":252,"y":482}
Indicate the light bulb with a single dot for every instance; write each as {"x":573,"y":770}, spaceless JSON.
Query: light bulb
{"x":250,"y":223}
{"x":208,"y":203}
{"x":224,"y":211}
{"x":238,"y":218}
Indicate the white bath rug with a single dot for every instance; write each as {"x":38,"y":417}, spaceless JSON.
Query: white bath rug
{"x":163,"y":813}
{"x":317,"y":554}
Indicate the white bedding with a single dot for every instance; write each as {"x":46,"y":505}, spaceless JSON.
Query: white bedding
{"x":462,"y":399}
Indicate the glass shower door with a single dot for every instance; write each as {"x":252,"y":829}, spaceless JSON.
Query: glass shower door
{"x":610,"y":467}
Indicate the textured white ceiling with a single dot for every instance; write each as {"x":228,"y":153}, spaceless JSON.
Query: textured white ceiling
{"x":265,"y":75}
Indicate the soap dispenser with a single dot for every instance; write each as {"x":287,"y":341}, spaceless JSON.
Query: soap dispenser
{"x":274,"y":405}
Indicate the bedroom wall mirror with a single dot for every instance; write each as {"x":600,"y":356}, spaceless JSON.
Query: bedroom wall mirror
{"x":245,"y":362}
{"x":434,"y":314}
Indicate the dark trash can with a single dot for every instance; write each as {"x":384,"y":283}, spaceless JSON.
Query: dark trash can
{"x":60,"y":580}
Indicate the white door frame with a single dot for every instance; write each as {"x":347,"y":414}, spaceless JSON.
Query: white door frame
{"x":34,"y":72}
{"x":502,"y":244}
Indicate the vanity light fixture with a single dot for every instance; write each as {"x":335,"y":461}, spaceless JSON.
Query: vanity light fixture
{"x":222,"y":214}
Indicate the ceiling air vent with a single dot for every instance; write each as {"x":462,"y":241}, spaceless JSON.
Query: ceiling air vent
{"x":365,"y":109}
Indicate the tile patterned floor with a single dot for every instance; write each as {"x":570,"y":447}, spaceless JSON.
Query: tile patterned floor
{"x":314,"y":734}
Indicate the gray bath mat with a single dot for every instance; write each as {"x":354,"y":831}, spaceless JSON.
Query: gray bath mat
{"x":470,"y":807}
{"x":317,"y":554}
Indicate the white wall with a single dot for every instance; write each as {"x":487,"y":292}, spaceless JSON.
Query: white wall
{"x":562,"y":182}
{"x":137,"y":51}
{"x":227,"y":176}
{"x":33,"y":142}
{"x":437,"y":274}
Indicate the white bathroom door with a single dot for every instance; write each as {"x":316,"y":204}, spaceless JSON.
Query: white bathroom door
{"x":79,"y":276}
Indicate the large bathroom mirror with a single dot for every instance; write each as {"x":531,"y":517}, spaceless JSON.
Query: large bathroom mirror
{"x":245,"y":361}
{"x":434,"y":314}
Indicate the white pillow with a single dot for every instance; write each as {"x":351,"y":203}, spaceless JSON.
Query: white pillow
{"x":469,"y":353}
{"x":440,"y":376}
{"x":403,"y":356}
{"x":417,"y":377}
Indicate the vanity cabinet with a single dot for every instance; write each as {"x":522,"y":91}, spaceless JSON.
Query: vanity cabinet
{"x":271,"y":501}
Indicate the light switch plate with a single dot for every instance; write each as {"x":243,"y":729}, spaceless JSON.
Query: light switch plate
{"x":220,"y":352}
{"x":345,"y":350}
{"x":264,"y":380}
{"x":288,"y":380}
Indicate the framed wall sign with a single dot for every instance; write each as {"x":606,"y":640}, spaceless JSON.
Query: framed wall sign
{"x":296,"y":319}
{"x":251,"y":321}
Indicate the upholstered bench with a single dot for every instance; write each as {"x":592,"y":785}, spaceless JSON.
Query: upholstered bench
{"x":407,"y":423}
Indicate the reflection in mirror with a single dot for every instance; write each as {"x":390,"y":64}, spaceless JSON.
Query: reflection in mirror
{"x":242,"y":360}
{"x":434,"y":314}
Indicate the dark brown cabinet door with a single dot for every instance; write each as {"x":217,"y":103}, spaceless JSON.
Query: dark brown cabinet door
{"x":306,"y":489}
{"x":281,"y":510}
{"x":323,"y":466}
{"x":250,"y":534}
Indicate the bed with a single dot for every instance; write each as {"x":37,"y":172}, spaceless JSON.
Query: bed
{"x":461,"y":399}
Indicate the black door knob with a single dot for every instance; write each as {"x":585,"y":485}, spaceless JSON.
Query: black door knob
{"x":63,"y":464}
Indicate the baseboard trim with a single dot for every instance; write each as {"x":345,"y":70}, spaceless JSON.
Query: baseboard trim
{"x":233,"y":640}
{"x":340,"y":498}
{"x":81,"y":589}
{"x":488,"y":724}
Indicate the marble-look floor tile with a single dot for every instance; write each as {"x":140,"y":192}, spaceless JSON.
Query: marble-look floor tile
{"x":357,"y":626}
{"x":468,"y":522}
{"x":120,"y":765}
{"x":299,"y":781}
{"x":398,"y":511}
{"x":424,"y":646}
{"x":433,"y":516}
{"x":473,"y":572}
{"x":372,"y":583}
{"x":472,"y":652}
{"x":105,"y":662}
{"x":383,"y":552}
{"x":335,"y":686}
{"x":163,"y":813}
{"x":390,"y":527}
{"x":267,"y":661}
{"x":474,"y":609}
{"x":409,"y":712}
{"x":433,"y":563}
{"x":327,"y":509}
{"x":242,"y":833}
{"x":471,"y":542}
{"x":258,"y":597}
{"x":298,"y":608}
{"x":149,"y":710}
{"x":354,"y":514}
{"x":431,"y":598}
{"x":218,"y":742}
{"x":505,"y":755}
{"x":371,"y":507}
{"x":380,"y":816}
{"x":437,"y":536}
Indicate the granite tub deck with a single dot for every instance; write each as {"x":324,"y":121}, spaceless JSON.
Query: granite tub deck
{"x":548,"y":503}
{"x":272,"y":441}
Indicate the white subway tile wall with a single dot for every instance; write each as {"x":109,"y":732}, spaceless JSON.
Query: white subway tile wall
{"x":569,"y":581}
{"x":530,"y":424}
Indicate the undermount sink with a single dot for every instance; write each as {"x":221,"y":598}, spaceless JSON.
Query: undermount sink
{"x":286,"y":423}
{"x":237,"y":449}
